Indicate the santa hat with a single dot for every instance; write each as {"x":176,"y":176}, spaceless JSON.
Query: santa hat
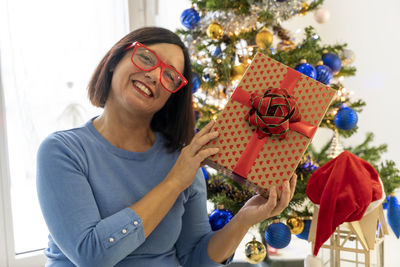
{"x":345,"y":187}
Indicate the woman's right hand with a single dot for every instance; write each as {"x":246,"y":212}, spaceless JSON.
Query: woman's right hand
{"x":191,"y":157}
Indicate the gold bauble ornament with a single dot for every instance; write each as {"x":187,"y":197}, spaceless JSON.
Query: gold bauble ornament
{"x":255,"y":251}
{"x":215,"y":30}
{"x":304,"y":9}
{"x":238,"y":71}
{"x":295,"y":224}
{"x":264,"y":39}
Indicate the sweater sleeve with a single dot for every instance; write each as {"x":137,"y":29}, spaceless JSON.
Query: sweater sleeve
{"x":71,"y":213}
{"x":196,"y":230}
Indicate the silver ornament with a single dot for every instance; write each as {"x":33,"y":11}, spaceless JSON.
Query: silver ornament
{"x":336,"y":147}
{"x":348,"y":57}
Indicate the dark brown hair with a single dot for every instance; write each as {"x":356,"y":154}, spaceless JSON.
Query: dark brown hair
{"x":176,"y":119}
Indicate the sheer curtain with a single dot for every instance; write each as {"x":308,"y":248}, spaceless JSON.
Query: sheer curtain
{"x":48,"y":51}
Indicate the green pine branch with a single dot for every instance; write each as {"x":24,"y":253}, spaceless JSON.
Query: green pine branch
{"x":390,"y":176}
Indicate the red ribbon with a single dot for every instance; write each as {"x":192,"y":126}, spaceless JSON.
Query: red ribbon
{"x":283,"y":116}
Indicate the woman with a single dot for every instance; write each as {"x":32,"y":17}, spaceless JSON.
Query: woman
{"x":125,"y":189}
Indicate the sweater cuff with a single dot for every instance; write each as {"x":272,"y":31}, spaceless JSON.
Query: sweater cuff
{"x":206,"y":258}
{"x":122,"y":224}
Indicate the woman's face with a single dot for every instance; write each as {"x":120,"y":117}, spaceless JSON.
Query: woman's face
{"x":139,"y":92}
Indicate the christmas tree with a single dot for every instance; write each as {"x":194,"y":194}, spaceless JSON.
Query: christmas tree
{"x":224,"y":36}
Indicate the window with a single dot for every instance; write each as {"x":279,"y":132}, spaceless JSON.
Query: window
{"x":48,"y":51}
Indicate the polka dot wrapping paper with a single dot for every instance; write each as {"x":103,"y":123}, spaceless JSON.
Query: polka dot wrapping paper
{"x":251,"y":154}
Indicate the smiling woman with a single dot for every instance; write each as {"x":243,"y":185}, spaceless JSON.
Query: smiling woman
{"x":126,"y":188}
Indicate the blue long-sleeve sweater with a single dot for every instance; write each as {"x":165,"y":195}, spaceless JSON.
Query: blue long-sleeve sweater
{"x":85,"y":187}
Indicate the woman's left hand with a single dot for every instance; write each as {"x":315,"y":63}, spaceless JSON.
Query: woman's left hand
{"x":225,"y":241}
{"x":259,"y":208}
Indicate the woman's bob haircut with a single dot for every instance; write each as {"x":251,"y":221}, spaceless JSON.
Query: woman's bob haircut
{"x":176,"y":119}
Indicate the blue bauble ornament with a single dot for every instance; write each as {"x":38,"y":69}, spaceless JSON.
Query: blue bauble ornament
{"x":324,"y":74}
{"x":304,"y":234}
{"x":332,"y":61}
{"x":307,"y":69}
{"x":217,"y":52}
{"x":196,"y":82}
{"x":386,"y":203}
{"x":277,"y":235}
{"x":205,"y":173}
{"x":313,"y":167}
{"x":281,"y":0}
{"x":219,"y":217}
{"x":189,"y":18}
{"x":346,"y":118}
{"x":393,"y":215}
{"x":196,"y":115}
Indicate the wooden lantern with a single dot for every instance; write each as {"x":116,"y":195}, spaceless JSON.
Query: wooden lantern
{"x":361,"y":240}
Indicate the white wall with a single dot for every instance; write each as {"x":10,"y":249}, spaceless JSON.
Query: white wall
{"x":370,"y":30}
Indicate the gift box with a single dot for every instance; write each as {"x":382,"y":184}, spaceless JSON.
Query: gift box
{"x":268,"y":123}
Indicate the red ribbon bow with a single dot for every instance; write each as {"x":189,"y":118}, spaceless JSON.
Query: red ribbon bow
{"x":272,"y":112}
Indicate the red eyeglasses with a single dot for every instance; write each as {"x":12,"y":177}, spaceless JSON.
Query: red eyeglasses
{"x":146,"y":59}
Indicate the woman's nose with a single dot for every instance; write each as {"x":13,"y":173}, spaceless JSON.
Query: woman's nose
{"x":154,"y":75}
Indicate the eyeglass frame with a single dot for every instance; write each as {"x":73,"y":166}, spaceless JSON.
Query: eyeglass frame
{"x":162,"y":64}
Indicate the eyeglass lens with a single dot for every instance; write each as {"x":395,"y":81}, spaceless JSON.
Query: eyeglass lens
{"x":146,"y":60}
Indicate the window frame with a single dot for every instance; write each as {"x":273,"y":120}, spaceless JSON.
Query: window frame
{"x":8,"y":256}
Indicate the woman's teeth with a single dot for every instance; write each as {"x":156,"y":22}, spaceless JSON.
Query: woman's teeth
{"x":142,"y":88}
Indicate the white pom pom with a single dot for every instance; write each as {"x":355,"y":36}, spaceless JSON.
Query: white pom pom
{"x":312,"y":261}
